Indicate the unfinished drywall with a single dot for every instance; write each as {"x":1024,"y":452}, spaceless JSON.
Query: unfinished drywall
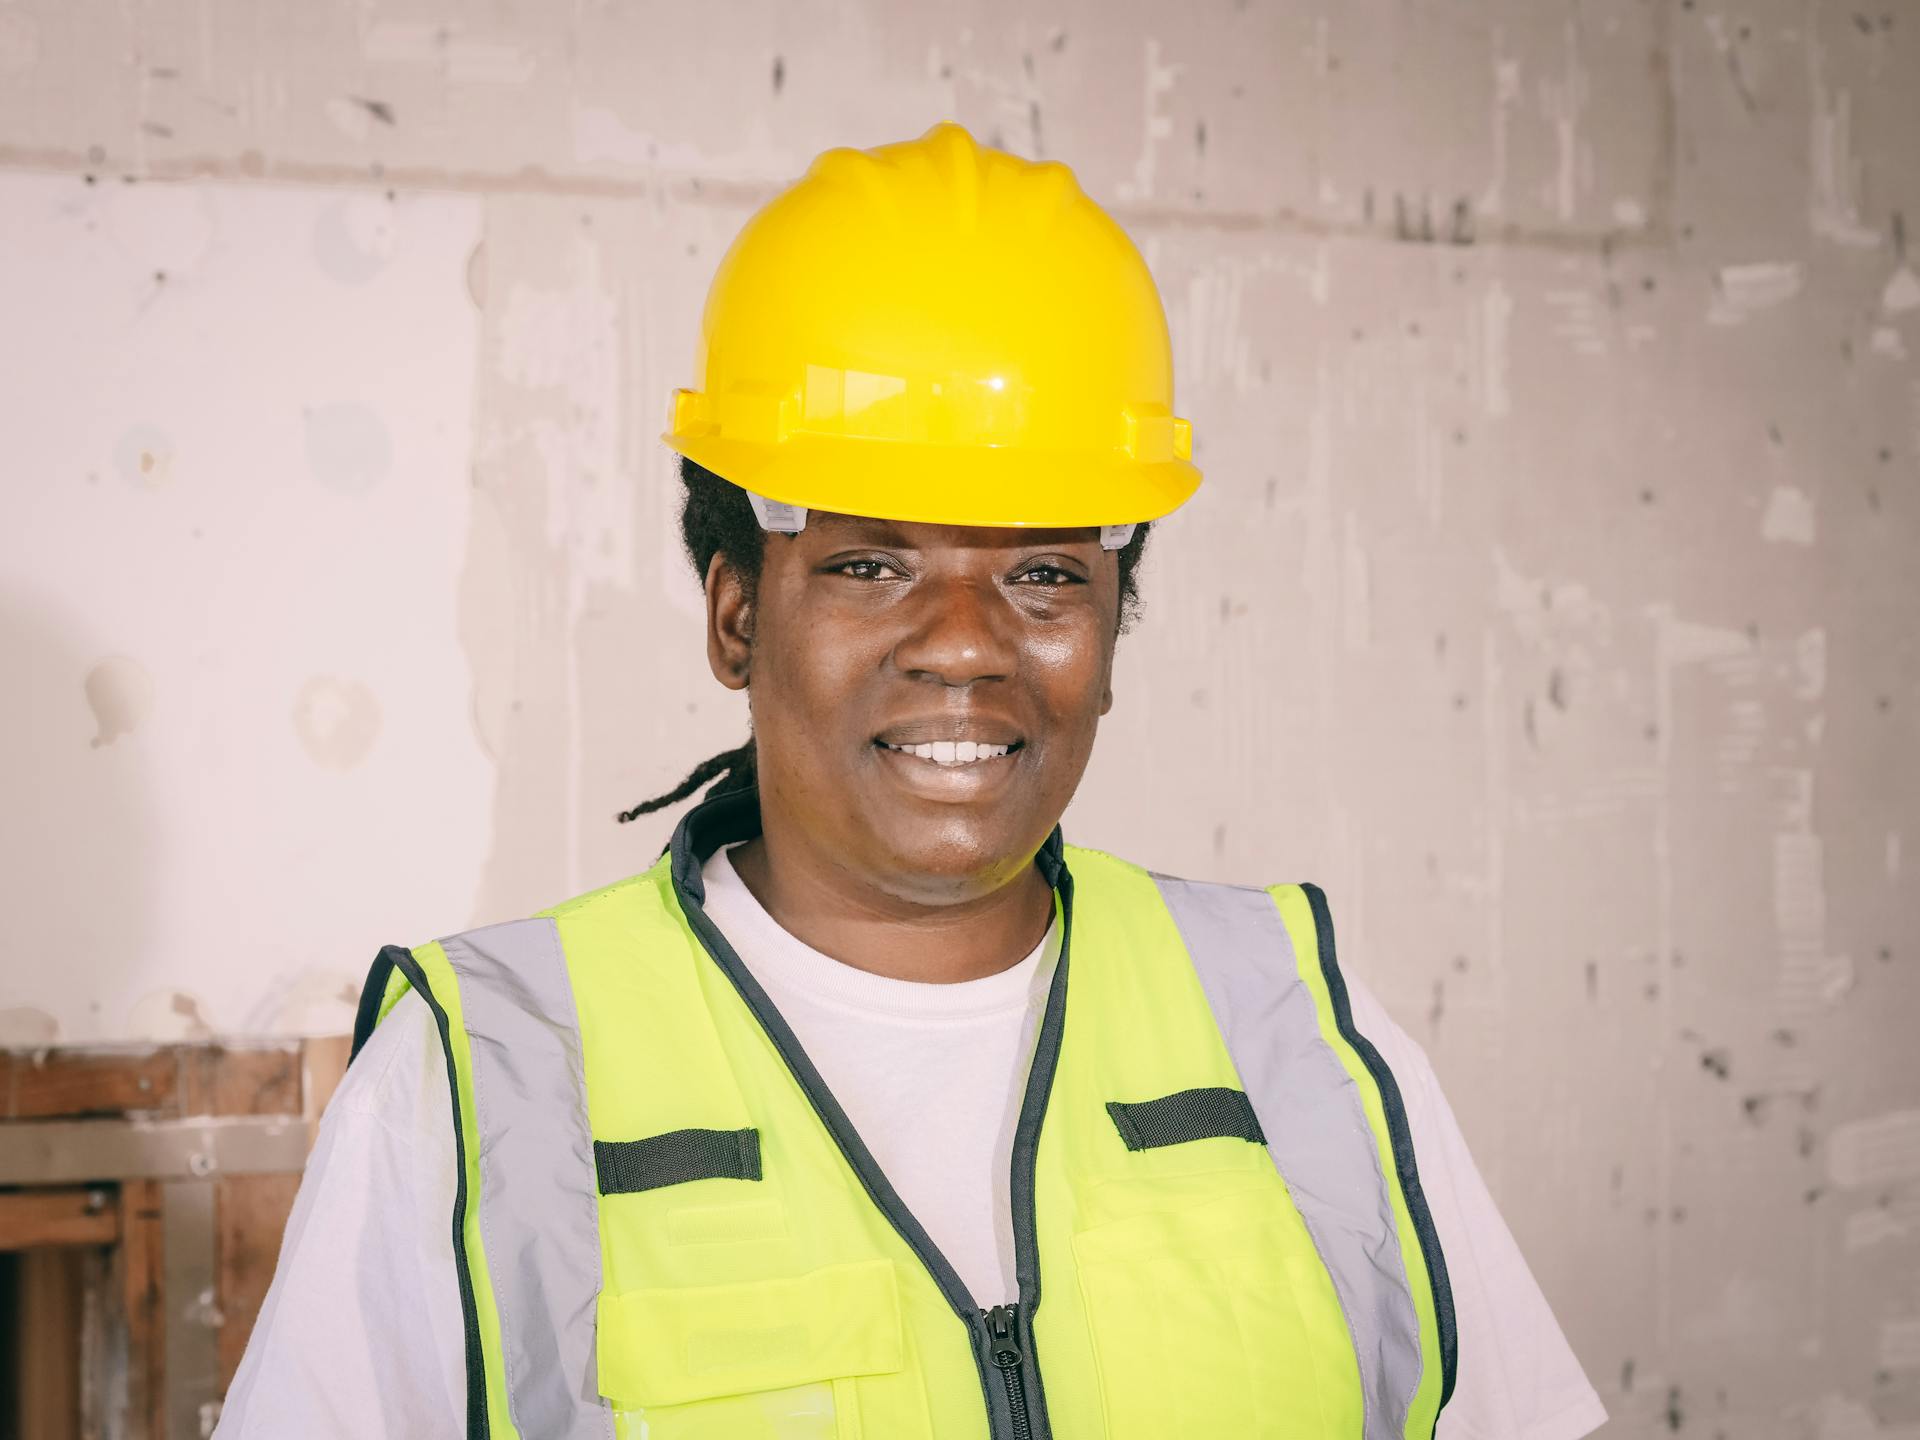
{"x":238,"y":435}
{"x":1552,"y":598}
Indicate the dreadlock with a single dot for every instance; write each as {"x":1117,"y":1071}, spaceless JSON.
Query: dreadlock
{"x":717,"y":519}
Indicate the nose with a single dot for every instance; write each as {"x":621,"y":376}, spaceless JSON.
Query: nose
{"x":960,"y":633}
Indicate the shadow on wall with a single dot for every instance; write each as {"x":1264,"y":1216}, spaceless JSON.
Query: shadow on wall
{"x":78,"y":831}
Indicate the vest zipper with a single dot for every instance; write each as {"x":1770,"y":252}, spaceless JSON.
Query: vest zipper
{"x":1003,"y":1348}
{"x":1016,"y":1404}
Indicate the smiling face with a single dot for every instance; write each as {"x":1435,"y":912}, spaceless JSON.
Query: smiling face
{"x":925,"y":697}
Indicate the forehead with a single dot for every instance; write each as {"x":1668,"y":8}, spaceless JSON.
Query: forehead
{"x":831,"y":527}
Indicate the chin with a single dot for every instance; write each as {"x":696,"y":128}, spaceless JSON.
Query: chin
{"x":957,"y":858}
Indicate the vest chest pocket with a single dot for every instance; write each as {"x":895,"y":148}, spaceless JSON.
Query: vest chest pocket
{"x":769,"y":1360}
{"x":1212,"y":1314}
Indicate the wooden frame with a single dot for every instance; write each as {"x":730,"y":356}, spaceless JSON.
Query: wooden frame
{"x":155,"y":1173}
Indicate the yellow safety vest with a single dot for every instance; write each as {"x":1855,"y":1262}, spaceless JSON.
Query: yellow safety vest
{"x":665,"y":1226}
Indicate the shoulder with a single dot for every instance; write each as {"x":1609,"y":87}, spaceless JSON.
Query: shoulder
{"x":1217,"y":913}
{"x":1083,"y":860}
{"x":1086,"y":860}
{"x":641,"y":888}
{"x":622,"y":905}
{"x":646,"y":887}
{"x":399,"y":1076}
{"x":1088,"y":864}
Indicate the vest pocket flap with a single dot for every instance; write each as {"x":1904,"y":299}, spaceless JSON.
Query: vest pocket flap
{"x":671,"y":1347}
{"x":1212,"y":1112}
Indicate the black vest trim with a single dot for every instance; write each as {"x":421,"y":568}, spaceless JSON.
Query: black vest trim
{"x":390,"y":959}
{"x":1395,"y":1111}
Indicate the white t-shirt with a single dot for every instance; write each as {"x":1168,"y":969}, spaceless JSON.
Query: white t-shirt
{"x":361,"y":1332}
{"x":932,"y":1076}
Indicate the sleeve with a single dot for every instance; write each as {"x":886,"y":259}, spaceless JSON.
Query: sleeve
{"x":1517,"y":1377}
{"x":360,"y":1333}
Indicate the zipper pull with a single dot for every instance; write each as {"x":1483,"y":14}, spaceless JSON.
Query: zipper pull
{"x":1003,"y":1336}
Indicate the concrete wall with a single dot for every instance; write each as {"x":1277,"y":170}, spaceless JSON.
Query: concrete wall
{"x":1552,"y":599}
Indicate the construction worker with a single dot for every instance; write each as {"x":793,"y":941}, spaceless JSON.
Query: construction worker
{"x":873,"y":1109}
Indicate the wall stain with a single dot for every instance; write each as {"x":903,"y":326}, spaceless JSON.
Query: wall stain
{"x":337,"y":721}
{"x":120,"y":693}
{"x":188,"y":1009}
{"x":26,"y":1027}
{"x":143,"y":455}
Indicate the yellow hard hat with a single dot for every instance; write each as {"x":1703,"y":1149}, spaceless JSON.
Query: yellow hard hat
{"x":940,"y":332}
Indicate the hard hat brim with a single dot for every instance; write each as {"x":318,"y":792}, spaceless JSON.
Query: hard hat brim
{"x":989,"y":485}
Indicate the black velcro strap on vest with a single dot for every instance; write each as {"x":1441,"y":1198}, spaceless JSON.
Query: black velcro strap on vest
{"x":1205,"y":1114}
{"x":625,"y":1167}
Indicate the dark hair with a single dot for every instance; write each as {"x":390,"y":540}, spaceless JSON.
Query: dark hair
{"x":717,"y":519}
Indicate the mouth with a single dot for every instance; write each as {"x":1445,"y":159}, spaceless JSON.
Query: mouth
{"x":952,"y":754}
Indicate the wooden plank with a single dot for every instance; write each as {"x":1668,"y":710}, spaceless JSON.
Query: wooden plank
{"x":102,"y":1366}
{"x":50,"y":1084}
{"x":69,"y":1215}
{"x":215,"y":1080}
{"x":250,"y":1217}
{"x":143,"y":1308}
{"x":172,"y":1079}
{"x":50,"y":1300}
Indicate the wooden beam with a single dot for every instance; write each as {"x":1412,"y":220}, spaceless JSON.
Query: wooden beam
{"x":142,"y":1255}
{"x":250,"y":1216}
{"x":45,"y":1085}
{"x":51,"y":1305}
{"x":69,"y":1215}
{"x":216,"y":1080}
{"x":180,"y":1080}
{"x":324,"y":1061}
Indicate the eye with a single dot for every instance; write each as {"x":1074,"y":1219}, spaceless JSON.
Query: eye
{"x":1048,"y":575}
{"x":865,"y":567}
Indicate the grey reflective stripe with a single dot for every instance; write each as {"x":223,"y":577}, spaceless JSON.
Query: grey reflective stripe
{"x":1316,"y":1128}
{"x":539,"y":1203}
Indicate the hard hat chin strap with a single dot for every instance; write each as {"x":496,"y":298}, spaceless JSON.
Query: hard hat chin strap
{"x":786,"y":519}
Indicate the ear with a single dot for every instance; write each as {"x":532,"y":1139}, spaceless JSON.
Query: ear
{"x":729,"y":624}
{"x":1106,"y":682}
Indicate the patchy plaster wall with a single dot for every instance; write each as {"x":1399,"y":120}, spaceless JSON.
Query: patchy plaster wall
{"x":1552,"y":600}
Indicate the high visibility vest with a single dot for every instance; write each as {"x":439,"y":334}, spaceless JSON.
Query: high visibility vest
{"x":665,"y":1226}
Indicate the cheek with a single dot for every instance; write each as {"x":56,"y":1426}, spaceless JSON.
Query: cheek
{"x":1072,"y":667}
{"x":810,"y":665}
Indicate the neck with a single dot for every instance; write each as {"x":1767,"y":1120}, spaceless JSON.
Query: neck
{"x":858,"y":923}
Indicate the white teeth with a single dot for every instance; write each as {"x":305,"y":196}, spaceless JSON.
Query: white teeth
{"x":953,"y":752}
